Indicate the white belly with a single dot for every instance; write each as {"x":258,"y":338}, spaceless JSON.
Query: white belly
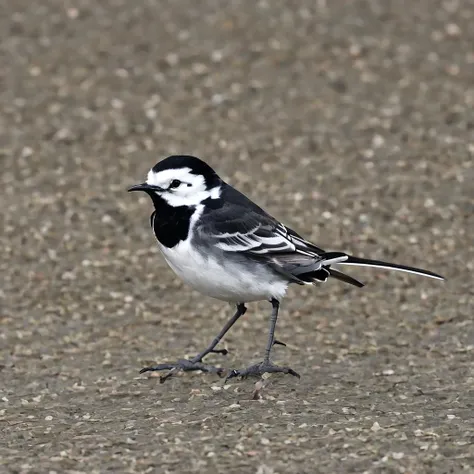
{"x":231,"y":282}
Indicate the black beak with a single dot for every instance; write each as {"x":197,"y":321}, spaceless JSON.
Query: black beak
{"x":144,"y":187}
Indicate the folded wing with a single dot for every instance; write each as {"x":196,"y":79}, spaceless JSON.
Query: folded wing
{"x":247,"y":229}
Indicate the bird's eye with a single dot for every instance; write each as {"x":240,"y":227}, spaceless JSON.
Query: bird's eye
{"x":175,"y":183}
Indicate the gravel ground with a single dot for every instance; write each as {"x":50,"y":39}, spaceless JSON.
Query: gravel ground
{"x":353,"y":122}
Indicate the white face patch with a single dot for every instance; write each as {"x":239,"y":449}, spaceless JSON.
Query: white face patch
{"x":191,"y":192}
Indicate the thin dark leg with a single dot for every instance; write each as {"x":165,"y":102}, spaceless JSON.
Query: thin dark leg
{"x":196,"y":362}
{"x":266,"y":366}
{"x":271,"y":333}
{"x":241,"y":310}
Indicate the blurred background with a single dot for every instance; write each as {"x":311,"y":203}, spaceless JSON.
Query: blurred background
{"x":352,"y":122}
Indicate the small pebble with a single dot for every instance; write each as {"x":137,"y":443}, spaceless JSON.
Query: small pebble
{"x":375,"y":427}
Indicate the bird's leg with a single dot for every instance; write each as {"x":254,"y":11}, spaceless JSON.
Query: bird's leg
{"x":271,"y":332}
{"x":241,"y":310}
{"x":196,"y":362}
{"x":266,"y":366}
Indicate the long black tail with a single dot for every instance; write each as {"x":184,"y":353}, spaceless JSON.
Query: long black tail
{"x":365,"y":262}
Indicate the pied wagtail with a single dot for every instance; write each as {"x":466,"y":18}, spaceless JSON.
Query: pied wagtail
{"x":225,"y":246}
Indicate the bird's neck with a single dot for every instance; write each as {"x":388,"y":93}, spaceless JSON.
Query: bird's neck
{"x":170,"y":224}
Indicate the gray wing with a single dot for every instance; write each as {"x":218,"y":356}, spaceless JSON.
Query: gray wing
{"x":241,"y":227}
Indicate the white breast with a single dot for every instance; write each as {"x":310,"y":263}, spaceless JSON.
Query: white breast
{"x":221,"y":279}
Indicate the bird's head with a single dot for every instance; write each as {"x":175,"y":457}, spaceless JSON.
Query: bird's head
{"x":181,"y":180}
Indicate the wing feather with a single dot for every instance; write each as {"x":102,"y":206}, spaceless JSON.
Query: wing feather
{"x":239,"y":225}
{"x":236,"y":224}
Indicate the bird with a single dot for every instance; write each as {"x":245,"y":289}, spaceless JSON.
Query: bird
{"x":225,"y":246}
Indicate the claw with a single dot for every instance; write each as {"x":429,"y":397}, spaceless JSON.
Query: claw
{"x":277,"y":342}
{"x":164,"y":378}
{"x":220,"y":351}
{"x":232,"y":374}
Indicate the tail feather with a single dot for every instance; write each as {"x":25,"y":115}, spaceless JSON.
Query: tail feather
{"x":345,"y":278}
{"x":365,"y":262}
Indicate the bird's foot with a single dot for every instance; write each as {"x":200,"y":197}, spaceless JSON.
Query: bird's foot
{"x":258,"y":370}
{"x":184,"y":365}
